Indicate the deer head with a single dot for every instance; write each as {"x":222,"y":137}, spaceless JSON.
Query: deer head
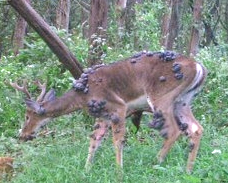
{"x":164,"y":82}
{"x":33,"y":116}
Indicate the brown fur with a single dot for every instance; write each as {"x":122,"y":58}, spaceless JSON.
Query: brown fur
{"x":6,"y":164}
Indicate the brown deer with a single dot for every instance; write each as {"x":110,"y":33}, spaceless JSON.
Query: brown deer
{"x":165,"y":82}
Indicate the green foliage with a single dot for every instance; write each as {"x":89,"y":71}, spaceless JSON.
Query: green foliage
{"x":60,"y":157}
{"x":143,"y":33}
{"x":183,"y":37}
{"x":7,"y":23}
{"x":147,"y":25}
{"x":35,"y":62}
{"x":214,"y":98}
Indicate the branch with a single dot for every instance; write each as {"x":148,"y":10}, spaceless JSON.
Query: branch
{"x":50,"y":37}
{"x":84,"y":5}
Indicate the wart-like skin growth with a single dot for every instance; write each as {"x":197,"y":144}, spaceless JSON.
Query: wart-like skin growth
{"x":160,"y":82}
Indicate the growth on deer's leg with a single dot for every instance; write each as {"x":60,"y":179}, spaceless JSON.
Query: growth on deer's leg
{"x":194,"y":146}
{"x":194,"y":132}
{"x":187,"y":122}
{"x":169,"y":131}
{"x":164,"y":121}
{"x":100,"y":130}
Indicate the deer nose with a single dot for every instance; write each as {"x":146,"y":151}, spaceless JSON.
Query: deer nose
{"x":27,"y":137}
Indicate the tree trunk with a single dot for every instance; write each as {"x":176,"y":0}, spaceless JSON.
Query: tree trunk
{"x":52,"y":40}
{"x":165,"y":24}
{"x":130,"y":16}
{"x":195,"y":32}
{"x":97,"y":30}
{"x":84,"y":20}
{"x":170,"y":23}
{"x":130,"y":20}
{"x":19,"y":33}
{"x":120,"y":14}
{"x":1,"y":48}
{"x":226,"y":19}
{"x":209,"y":35}
{"x":63,"y":14}
{"x":5,"y":19}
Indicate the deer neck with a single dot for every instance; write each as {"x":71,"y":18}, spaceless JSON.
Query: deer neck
{"x":65,"y":104}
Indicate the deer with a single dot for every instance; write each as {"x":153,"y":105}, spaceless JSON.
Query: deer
{"x":163,"y":83}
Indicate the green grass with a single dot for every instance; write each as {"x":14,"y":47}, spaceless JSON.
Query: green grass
{"x":60,"y":158}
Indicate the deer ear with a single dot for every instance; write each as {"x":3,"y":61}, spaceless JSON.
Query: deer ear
{"x":35,"y":106}
{"x":50,"y":95}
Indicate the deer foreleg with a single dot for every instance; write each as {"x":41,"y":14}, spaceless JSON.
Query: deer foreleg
{"x":100,"y":130}
{"x":118,"y":132}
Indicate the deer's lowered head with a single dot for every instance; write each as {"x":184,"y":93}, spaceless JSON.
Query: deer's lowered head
{"x":35,"y":113}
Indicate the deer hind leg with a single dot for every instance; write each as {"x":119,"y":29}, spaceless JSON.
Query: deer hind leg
{"x":118,"y":132}
{"x":193,"y":130}
{"x":100,"y":131}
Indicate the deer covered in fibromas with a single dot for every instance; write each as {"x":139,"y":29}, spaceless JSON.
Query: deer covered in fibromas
{"x":162,"y":82}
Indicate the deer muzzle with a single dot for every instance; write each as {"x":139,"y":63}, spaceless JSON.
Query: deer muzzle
{"x":27,"y":137}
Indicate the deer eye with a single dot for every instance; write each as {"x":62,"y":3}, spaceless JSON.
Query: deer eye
{"x":26,"y":118}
